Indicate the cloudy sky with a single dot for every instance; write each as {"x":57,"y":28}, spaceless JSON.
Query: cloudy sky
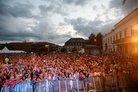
{"x":57,"y":21}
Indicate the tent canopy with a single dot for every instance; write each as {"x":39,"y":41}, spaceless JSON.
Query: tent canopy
{"x":6,"y":50}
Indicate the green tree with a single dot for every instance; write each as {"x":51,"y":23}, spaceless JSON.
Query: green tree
{"x":99,"y":37}
{"x":92,"y":39}
{"x":63,"y":49}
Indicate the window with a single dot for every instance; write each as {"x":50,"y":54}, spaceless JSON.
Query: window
{"x":116,"y":37}
{"x":120,"y":35}
{"x":132,"y":31}
{"x":111,"y":40}
{"x":125,"y":33}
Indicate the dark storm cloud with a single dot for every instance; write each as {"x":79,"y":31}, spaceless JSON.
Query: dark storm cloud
{"x":21,"y":10}
{"x":16,"y":10}
{"x":9,"y":30}
{"x":7,"y":35}
{"x":76,"y":2}
{"x":4,"y":9}
{"x":14,"y":29}
{"x":44,"y":30}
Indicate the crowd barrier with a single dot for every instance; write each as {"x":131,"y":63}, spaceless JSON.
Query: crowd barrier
{"x":100,"y":84}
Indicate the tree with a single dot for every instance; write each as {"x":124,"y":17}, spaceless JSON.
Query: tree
{"x":92,"y":38}
{"x":63,"y":49}
{"x":99,"y":37}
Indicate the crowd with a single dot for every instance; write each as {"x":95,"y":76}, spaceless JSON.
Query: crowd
{"x":26,"y":67}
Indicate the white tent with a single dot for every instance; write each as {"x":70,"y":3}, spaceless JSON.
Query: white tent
{"x":6,"y":50}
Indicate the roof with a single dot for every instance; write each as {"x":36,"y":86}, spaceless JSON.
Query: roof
{"x":42,"y":43}
{"x":20,"y":43}
{"x":76,"y":40}
{"x":31,"y":43}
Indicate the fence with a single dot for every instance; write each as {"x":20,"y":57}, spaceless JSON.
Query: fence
{"x":100,"y":84}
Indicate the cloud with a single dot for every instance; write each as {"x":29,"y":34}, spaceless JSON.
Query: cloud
{"x":76,"y":2}
{"x":47,"y":20}
{"x":21,"y":10}
{"x":103,"y":7}
{"x":115,"y":4}
{"x":15,"y":20}
{"x":12,"y":29}
{"x":59,"y":38}
{"x":126,"y":8}
{"x":16,"y":10}
{"x":44,"y":9}
{"x":83,"y":26}
{"x":94,"y":7}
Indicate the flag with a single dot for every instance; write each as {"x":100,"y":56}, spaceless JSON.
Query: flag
{"x":123,"y":2}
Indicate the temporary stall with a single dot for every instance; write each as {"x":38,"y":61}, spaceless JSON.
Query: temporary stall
{"x":6,"y":50}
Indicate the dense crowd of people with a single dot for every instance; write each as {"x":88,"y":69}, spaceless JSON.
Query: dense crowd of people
{"x":57,"y":66}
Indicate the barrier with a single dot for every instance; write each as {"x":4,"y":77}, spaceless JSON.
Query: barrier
{"x":59,"y":86}
{"x":5,"y":88}
{"x":110,"y":83}
{"x":99,"y":84}
{"x":23,"y":87}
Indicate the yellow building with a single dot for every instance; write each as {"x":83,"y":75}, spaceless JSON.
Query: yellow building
{"x":124,"y":36}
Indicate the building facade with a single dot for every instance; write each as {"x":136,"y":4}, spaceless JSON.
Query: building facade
{"x":36,"y":47}
{"x":124,"y":37}
{"x":80,"y":45}
{"x":74,"y":44}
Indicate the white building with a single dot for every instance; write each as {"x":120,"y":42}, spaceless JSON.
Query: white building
{"x":124,"y":36}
